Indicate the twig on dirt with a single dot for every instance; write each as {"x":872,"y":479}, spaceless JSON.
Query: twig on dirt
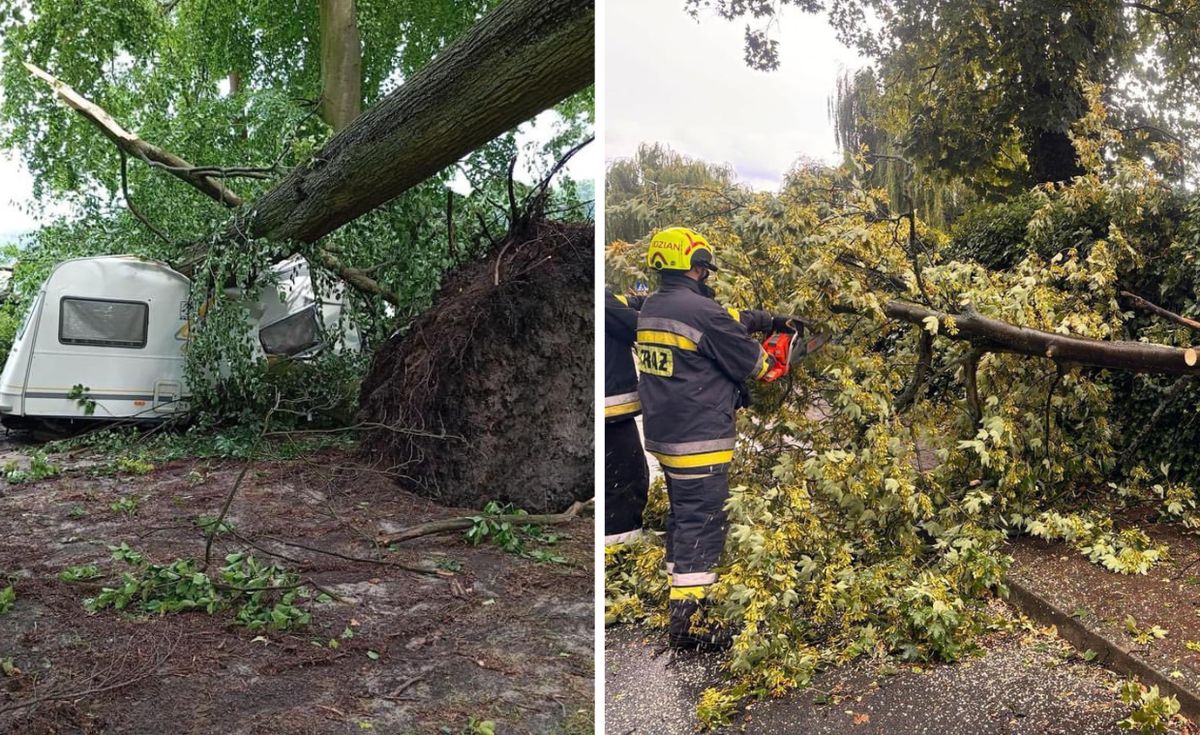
{"x":217,"y":524}
{"x":463,"y":523}
{"x":80,"y":694}
{"x":364,"y":560}
{"x":405,"y":687}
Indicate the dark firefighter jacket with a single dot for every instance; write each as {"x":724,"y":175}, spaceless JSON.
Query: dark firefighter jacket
{"x":620,"y":378}
{"x":693,"y":355}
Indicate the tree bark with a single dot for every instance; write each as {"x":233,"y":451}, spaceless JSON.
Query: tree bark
{"x":994,"y":335}
{"x":523,"y":57}
{"x":341,"y":64}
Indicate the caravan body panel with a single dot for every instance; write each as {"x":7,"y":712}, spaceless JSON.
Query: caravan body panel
{"x":112,"y":324}
{"x":286,"y":314}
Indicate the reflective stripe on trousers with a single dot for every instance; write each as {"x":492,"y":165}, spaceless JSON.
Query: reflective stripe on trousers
{"x":703,"y":456}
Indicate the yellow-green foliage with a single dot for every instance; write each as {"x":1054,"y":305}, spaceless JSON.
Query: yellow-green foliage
{"x":845,"y":540}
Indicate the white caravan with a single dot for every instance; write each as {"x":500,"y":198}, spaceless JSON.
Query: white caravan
{"x":117,"y":325}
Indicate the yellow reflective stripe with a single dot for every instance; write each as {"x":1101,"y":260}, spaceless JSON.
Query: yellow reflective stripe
{"x":766,"y":363}
{"x":622,"y":409}
{"x":655,"y":337}
{"x":688,"y":593}
{"x":684,"y":461}
{"x":735,"y":313}
{"x":622,"y":299}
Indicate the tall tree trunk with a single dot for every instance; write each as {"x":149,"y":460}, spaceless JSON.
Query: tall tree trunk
{"x":341,"y":63}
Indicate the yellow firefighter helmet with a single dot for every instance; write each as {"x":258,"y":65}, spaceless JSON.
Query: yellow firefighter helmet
{"x":679,"y":249}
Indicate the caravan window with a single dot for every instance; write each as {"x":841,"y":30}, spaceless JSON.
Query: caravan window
{"x":291,"y":335}
{"x":102,"y":322}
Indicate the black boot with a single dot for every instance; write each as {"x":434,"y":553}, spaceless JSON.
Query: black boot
{"x":689,"y":628}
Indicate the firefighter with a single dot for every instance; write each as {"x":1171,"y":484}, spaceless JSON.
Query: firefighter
{"x":626,"y":476}
{"x":694,"y":356}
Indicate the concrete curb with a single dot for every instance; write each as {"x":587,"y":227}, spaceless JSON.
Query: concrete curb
{"x":1114,"y":655}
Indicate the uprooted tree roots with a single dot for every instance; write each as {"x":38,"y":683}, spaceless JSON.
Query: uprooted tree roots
{"x":488,"y":394}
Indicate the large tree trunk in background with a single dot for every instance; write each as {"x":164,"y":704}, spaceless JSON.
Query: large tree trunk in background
{"x":1052,"y":157}
{"x":341,"y":64}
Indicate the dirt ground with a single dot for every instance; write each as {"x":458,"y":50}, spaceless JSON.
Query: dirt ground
{"x":1025,"y":681}
{"x":505,"y":638}
{"x":1167,"y":596}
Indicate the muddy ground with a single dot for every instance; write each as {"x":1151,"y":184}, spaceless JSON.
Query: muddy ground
{"x":504,"y":638}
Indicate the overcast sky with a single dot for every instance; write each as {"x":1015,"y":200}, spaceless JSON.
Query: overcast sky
{"x":16,"y":188}
{"x":672,"y":80}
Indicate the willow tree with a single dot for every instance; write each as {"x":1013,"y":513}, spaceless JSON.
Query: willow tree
{"x":988,"y":92}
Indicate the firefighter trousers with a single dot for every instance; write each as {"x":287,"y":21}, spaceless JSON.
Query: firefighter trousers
{"x":696,"y":527}
{"x":626,"y":481}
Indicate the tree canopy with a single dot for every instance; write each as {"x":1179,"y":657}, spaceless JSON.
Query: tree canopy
{"x":988,"y":92}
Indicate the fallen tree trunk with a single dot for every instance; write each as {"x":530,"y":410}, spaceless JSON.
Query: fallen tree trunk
{"x":999,"y":336}
{"x":522,"y":58}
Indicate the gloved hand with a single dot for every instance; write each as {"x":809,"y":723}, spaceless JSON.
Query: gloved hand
{"x":785,"y":324}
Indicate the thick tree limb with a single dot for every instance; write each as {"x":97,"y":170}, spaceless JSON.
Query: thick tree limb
{"x":999,"y":336}
{"x":463,"y":523}
{"x":131,"y":144}
{"x":520,"y":59}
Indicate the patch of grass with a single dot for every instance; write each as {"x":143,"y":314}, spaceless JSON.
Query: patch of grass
{"x":8,"y":598}
{"x":139,"y":449}
{"x":40,"y":468}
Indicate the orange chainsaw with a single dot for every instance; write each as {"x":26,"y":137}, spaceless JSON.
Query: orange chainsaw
{"x":787,"y":349}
